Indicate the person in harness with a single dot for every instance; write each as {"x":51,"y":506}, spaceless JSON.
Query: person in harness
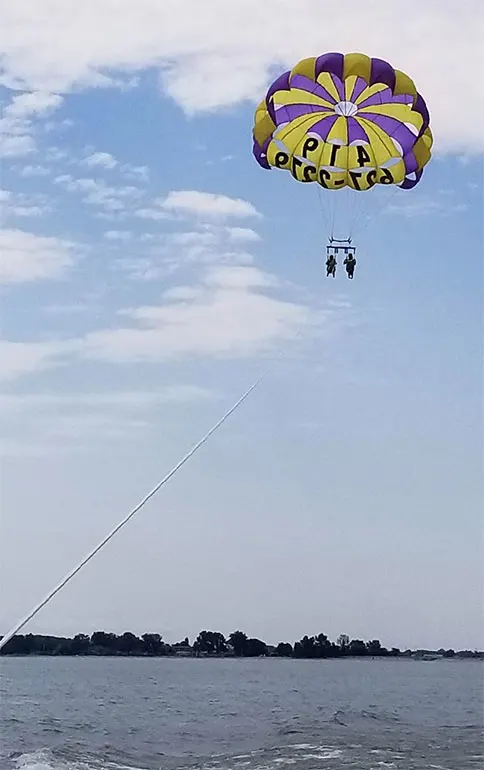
{"x":349,"y":264}
{"x":331,"y":266}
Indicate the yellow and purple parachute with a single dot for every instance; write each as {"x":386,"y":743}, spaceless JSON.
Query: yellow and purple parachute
{"x":344,"y":121}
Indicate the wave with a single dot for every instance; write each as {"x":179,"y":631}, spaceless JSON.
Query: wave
{"x":45,"y":759}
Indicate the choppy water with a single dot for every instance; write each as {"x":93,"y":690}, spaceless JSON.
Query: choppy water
{"x":93,"y":713}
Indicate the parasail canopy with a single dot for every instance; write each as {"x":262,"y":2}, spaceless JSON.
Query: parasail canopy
{"x":344,"y":121}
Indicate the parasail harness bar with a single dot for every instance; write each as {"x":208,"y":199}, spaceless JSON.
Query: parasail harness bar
{"x":343,"y":245}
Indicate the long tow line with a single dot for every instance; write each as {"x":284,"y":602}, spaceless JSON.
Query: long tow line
{"x":19,"y":626}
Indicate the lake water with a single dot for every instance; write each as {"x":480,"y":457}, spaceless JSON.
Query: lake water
{"x":93,"y":713}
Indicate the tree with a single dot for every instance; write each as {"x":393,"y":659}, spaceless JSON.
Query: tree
{"x":238,"y":640}
{"x":284,"y":650}
{"x":343,"y":643}
{"x":80,"y":645}
{"x":357,"y":647}
{"x":255,"y":648}
{"x":153,"y":644}
{"x":128,"y":643}
{"x":323,"y":647}
{"x":104,"y":642}
{"x":374,"y":647}
{"x":210,"y":643}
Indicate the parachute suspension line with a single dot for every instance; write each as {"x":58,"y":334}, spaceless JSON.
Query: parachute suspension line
{"x":325,"y":212}
{"x":333,"y":216}
{"x":18,"y":627}
{"x":360,"y":207}
{"x":355,"y":210}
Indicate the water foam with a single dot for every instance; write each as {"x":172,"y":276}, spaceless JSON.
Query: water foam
{"x":43,"y":759}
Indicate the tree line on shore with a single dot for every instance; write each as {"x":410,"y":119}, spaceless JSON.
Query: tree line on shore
{"x":212,"y":644}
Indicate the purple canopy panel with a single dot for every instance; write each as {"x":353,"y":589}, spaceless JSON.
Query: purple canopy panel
{"x":411,"y":164}
{"x":324,"y":126}
{"x":382,"y":97}
{"x":300,"y":81}
{"x":330,"y":62}
{"x":395,"y":129}
{"x":382,"y":72}
{"x":258,"y":155}
{"x":407,"y":183}
{"x":421,"y":107}
{"x":292,"y":111}
{"x":356,"y":132}
{"x":280,"y":84}
{"x":260,"y":152}
{"x":358,"y":89}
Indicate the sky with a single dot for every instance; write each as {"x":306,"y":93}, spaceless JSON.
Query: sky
{"x":150,"y":270}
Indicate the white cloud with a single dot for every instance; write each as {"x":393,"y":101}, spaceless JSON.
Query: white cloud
{"x":16,"y":127}
{"x":98,"y":159}
{"x":150,"y":213}
{"x":113,"y":399}
{"x":97,"y":193}
{"x":118,"y":235}
{"x":33,"y":103}
{"x":103,"y":159}
{"x":73,"y":307}
{"x":242,"y":234}
{"x":209,"y":58}
{"x":138,"y":173}
{"x":55,"y":154}
{"x":22,"y":205}
{"x":226,"y":315}
{"x":15,"y":146}
{"x":207,"y":205}
{"x":28,"y":211}
{"x":209,"y":245}
{"x":29,"y":171}
{"x":21,"y":358}
{"x":58,"y":125}
{"x":424,"y":206}
{"x":50,"y":421}
{"x":28,"y":257}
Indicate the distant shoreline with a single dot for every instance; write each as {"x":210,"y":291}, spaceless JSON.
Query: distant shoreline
{"x":213,"y":644}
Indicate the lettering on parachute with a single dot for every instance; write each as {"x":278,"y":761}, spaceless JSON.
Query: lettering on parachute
{"x":309,"y":171}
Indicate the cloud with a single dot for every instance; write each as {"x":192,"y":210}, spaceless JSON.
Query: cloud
{"x":22,"y":205}
{"x":30,"y":171}
{"x":97,"y":193}
{"x":138,"y":173}
{"x":58,"y":125}
{"x":33,"y":103}
{"x":107,"y":161}
{"x":210,"y":244}
{"x":28,"y":257}
{"x":227,"y":314}
{"x":16,"y":126}
{"x":117,"y":235}
{"x":150,"y":213}
{"x":50,"y":421}
{"x":113,"y":399}
{"x":238,"y":234}
{"x":14,"y":146}
{"x":66,"y":309}
{"x":55,"y":155}
{"x":425,"y":206}
{"x":207,"y":205}
{"x":103,"y":159}
{"x":210,"y":59}
{"x":21,"y":358}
